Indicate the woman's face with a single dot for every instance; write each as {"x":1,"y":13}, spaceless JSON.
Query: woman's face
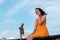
{"x":37,"y":12}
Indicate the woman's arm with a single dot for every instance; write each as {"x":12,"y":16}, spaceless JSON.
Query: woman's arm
{"x":34,"y":29}
{"x":42,"y":19}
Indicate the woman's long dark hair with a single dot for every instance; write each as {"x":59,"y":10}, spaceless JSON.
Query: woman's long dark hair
{"x":42,"y":12}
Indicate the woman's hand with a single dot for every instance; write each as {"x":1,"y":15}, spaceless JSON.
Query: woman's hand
{"x":41,"y":20}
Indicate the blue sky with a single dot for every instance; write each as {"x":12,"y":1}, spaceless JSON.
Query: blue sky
{"x":15,"y":12}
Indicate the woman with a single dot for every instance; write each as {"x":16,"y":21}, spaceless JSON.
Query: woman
{"x":40,"y":29}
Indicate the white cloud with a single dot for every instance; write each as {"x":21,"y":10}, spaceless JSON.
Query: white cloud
{"x":51,"y":3}
{"x":0,"y":37}
{"x":4,"y":34}
{"x":35,"y":2}
{"x":53,"y":9}
{"x":11,"y":38}
{"x":32,"y":13}
{"x":53,"y":18}
{"x":8,"y":21}
{"x":1,"y":1}
{"x":9,"y":34}
{"x":17,"y":7}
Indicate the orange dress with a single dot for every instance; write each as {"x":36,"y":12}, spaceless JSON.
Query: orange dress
{"x":41,"y":29}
